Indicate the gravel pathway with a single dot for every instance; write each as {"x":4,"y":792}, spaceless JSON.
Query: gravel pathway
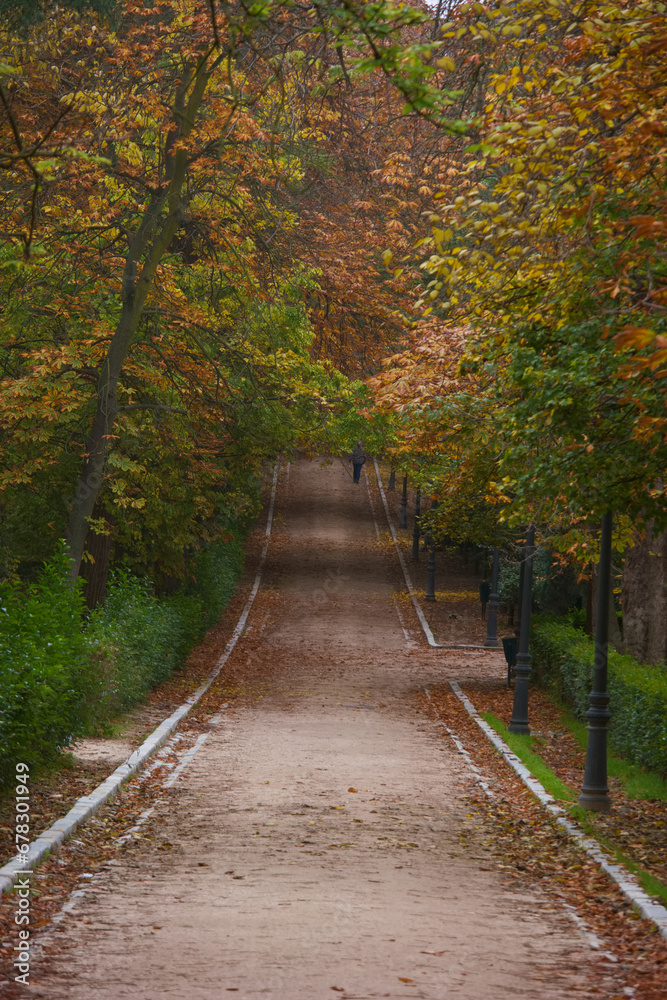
{"x":318,"y":845}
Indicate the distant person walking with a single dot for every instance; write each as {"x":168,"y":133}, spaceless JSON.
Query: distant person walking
{"x":358,"y":458}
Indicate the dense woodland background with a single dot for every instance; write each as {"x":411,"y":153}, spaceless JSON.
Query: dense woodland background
{"x":234,"y":229}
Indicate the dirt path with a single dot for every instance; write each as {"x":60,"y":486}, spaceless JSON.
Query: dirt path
{"x":318,"y":844}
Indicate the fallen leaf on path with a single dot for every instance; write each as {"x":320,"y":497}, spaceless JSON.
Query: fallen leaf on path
{"x":402,"y":979}
{"x":353,"y":789}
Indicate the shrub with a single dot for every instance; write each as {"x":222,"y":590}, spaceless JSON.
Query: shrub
{"x":144,"y":638}
{"x":563,"y":658}
{"x":50,"y":680}
{"x":215,"y":572}
{"x":139,"y":638}
{"x":62,"y":673}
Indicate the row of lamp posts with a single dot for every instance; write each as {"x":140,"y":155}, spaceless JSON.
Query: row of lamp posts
{"x":595,"y":792}
{"x":416,"y":532}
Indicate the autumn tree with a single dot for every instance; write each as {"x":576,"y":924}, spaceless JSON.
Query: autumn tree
{"x":442,"y":416}
{"x":546,"y":247}
{"x":367,"y":162}
{"x":549,"y":251}
{"x":153,"y":294}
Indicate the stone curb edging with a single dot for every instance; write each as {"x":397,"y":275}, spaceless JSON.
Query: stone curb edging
{"x":627,"y":883}
{"x":426,"y":628}
{"x":87,"y":805}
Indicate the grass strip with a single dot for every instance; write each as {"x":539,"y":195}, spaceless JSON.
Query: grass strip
{"x":637,"y":781}
{"x":524,"y":748}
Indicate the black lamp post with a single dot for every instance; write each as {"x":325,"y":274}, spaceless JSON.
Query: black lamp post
{"x":519,"y":720}
{"x":517,"y":617}
{"x":491,"y":640}
{"x":415,"y":532}
{"x":484,"y":595}
{"x":430,"y":572}
{"x":594,"y":791}
{"x":434,"y":504}
{"x":392,"y":480}
{"x":403,"y":516}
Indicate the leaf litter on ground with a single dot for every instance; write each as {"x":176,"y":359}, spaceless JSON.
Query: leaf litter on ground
{"x":531,"y":851}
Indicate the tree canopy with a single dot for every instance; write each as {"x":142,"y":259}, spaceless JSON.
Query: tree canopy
{"x":171,"y":242}
{"x":232,"y":228}
{"x":545,"y":247}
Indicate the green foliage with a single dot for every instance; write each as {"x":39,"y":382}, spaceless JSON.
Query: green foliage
{"x":214,"y":574}
{"x":60,"y":675}
{"x":49,"y":678}
{"x":28,"y":532}
{"x":508,"y":581}
{"x":144,"y":638}
{"x":555,"y":590}
{"x":637,"y":781}
{"x":22,"y":13}
{"x":351,"y":418}
{"x":563,"y":659}
{"x":463,"y":515}
{"x":525,"y":748}
{"x":562,"y":412}
{"x":139,"y":637}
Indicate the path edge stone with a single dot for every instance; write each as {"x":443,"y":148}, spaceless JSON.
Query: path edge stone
{"x":625,"y":880}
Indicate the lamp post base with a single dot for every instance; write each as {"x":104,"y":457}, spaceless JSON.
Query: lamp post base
{"x":595,"y":801}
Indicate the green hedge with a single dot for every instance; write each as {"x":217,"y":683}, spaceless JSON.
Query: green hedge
{"x":563,"y":658}
{"x":143,"y":638}
{"x":62,"y":671}
{"x":140,"y":640}
{"x":50,"y":678}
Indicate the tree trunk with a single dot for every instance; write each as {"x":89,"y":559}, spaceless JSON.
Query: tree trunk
{"x":645,"y":597}
{"x":657,"y":633}
{"x":147,"y":248}
{"x":96,"y":571}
